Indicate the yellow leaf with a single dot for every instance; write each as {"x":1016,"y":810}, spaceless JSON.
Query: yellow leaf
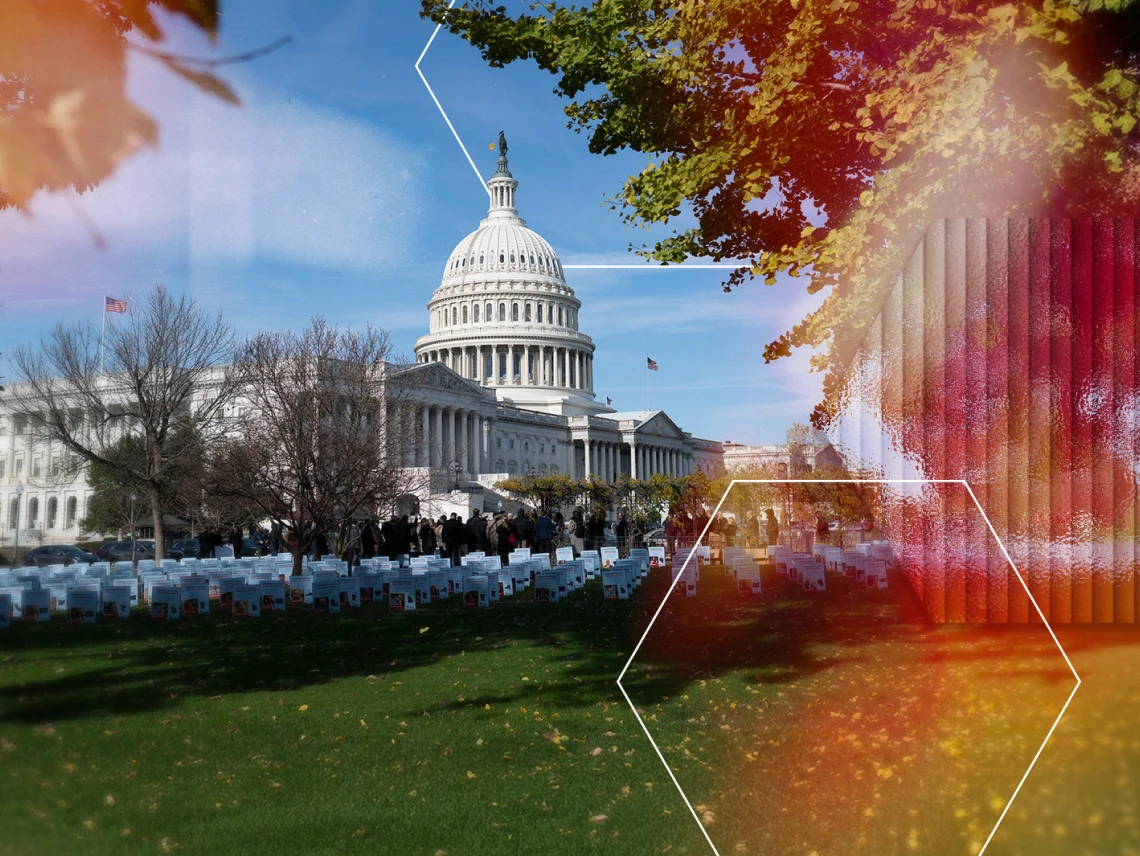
{"x":470,"y":775}
{"x":303,"y":707}
{"x":423,"y":630}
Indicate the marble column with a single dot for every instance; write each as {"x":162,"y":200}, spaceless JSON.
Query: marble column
{"x":464,"y":437}
{"x":633,"y":471}
{"x":450,"y":452}
{"x":437,"y":437}
{"x":425,"y":448}
{"x":587,"y":448}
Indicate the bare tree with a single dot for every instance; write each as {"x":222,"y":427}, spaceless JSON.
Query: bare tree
{"x":326,"y":426}
{"x":157,"y":375}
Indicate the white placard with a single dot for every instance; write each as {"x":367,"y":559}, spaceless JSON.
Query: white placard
{"x":326,"y":596}
{"x":195,"y":596}
{"x":82,"y":606}
{"x":36,"y":606}
{"x":402,"y":595}
{"x":439,"y":584}
{"x":272,"y":595}
{"x":116,"y":602}
{"x":247,"y":600}
{"x":609,"y":557}
{"x":165,"y":603}
{"x":349,"y":592}
{"x":371,"y":589}
{"x":546,"y":587}
{"x":656,"y":557}
{"x":476,"y":590}
{"x":613,"y":585}
{"x":563,"y":554}
{"x":300,"y":589}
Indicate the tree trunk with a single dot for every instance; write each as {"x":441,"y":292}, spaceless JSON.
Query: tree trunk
{"x":159,"y":531}
{"x":298,"y":559}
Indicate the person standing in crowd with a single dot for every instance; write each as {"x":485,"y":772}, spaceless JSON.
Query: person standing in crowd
{"x":822,"y":530}
{"x":773,"y":528}
{"x":671,"y":532}
{"x":621,"y":531}
{"x":730,"y":531}
{"x":476,"y":531}
{"x":454,"y":537}
{"x":388,"y":533}
{"x":524,"y":528}
{"x":367,"y":540}
{"x":543,"y":532}
{"x":235,"y":541}
{"x":427,"y":537}
{"x":576,"y":529}
{"x":503,"y":531}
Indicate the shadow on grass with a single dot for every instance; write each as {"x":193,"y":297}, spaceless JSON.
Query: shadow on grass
{"x":57,"y":672}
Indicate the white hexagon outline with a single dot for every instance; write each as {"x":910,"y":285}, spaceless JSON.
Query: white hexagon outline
{"x":1005,"y":553}
{"x":483,"y":183}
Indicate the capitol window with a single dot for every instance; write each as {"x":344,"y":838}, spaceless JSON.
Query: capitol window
{"x":490,"y":312}
{"x":512,"y":258}
{"x":514,"y":312}
{"x":540,"y":313}
{"x":502,"y":312}
{"x":465,"y":313}
{"x":526,"y":312}
{"x":480,"y":260}
{"x":532,"y":259}
{"x":475,"y":310}
{"x":501,"y":258}
{"x":559,"y":316}
{"x":454,"y":315}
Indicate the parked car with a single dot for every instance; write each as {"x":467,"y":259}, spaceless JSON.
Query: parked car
{"x":186,"y":546}
{"x":118,"y":551}
{"x":57,"y":554}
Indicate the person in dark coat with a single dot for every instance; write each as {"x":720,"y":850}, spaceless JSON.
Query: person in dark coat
{"x":367,"y":540}
{"x":235,"y":541}
{"x":524,"y":529}
{"x":621,"y":530}
{"x":476,"y":531}
{"x":543,"y":532}
{"x":388,"y":533}
{"x":427,"y":537}
{"x":454,"y":538}
{"x":503,"y":530}
{"x":773,"y":528}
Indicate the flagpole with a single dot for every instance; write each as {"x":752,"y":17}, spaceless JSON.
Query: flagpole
{"x":102,"y":332}
{"x":647,"y":405}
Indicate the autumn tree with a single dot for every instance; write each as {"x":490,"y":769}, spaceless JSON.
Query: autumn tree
{"x":323,"y":426}
{"x":156,"y":375}
{"x":818,"y":137}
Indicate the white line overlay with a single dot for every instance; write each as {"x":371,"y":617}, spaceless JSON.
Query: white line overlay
{"x":1005,"y":553}
{"x":487,"y":190}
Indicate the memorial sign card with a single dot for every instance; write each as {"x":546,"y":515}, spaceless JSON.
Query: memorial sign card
{"x":591,"y":565}
{"x":82,"y":605}
{"x":613,"y":585}
{"x":272,"y":595}
{"x":505,"y":582}
{"x":349,"y":592}
{"x":195,"y":596}
{"x":247,"y":600}
{"x":57,"y":596}
{"x":301,"y":589}
{"x":656,"y":557}
{"x":165,"y":602}
{"x":439,"y":584}
{"x":37,"y":605}
{"x":116,"y":602}
{"x":326,"y":596}
{"x":402,"y":595}
{"x":563,"y":555}
{"x":546,"y":587}
{"x":370,"y":589}
{"x":609,"y":556}
{"x":455,"y":581}
{"x":475,"y":590}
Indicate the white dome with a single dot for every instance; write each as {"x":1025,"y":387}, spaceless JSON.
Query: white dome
{"x":501,"y":244}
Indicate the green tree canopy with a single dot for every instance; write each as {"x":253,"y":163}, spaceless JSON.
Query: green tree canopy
{"x":818,"y":137}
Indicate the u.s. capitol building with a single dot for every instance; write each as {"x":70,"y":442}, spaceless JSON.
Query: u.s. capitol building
{"x":503,"y":384}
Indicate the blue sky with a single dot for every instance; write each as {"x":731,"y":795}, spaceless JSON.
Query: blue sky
{"x":338,"y":189}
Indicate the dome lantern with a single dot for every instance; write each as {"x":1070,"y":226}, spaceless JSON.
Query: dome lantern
{"x":502,"y":187}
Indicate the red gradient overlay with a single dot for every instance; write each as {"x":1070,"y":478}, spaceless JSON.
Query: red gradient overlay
{"x":1005,"y":356}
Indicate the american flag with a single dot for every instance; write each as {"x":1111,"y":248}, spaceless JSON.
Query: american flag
{"x":110,"y":304}
{"x":609,"y":401}
{"x":650,"y":364}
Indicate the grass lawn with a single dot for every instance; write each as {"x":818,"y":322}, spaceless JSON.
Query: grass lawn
{"x":834,"y":723}
{"x":444,"y":730}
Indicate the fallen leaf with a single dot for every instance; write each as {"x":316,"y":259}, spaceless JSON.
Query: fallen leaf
{"x":599,"y":818}
{"x":303,"y":707}
{"x":423,"y":630}
{"x":470,"y":775}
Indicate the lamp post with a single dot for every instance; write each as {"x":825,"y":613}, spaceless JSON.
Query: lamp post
{"x":455,"y":468}
{"x":16,"y":545}
{"x":134,"y":540}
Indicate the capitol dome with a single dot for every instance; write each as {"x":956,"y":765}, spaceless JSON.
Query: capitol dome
{"x":505,"y":317}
